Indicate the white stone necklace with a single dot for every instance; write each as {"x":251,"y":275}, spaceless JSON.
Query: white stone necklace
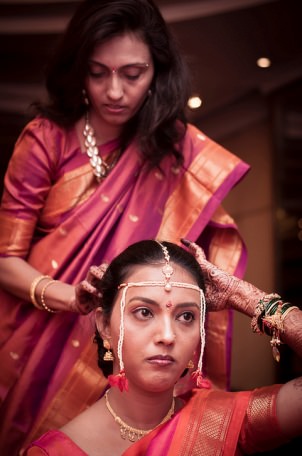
{"x":100,"y":168}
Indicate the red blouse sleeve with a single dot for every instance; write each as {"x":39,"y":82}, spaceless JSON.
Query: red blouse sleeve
{"x":261,"y":430}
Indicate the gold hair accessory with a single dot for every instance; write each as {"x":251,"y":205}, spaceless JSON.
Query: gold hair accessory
{"x":167,"y":269}
{"x":108,"y":355}
{"x":33,"y":288}
{"x":42,"y":298}
{"x":132,"y":433}
{"x":100,"y":167}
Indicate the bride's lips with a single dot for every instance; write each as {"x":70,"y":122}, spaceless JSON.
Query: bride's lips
{"x":161,"y":360}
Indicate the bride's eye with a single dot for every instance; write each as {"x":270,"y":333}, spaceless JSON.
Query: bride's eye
{"x":143,"y":313}
{"x":186,"y":317}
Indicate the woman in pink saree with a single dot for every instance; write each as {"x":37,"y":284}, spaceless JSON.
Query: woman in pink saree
{"x":150,"y":319}
{"x":108,"y":160}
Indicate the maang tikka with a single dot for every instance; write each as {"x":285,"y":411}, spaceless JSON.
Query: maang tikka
{"x":120,"y":379}
{"x":167,"y":270}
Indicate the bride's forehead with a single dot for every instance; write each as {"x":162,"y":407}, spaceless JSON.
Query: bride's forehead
{"x":142,"y":273}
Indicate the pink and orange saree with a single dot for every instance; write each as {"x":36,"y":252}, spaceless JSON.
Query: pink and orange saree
{"x":211,"y":423}
{"x":56,"y":216}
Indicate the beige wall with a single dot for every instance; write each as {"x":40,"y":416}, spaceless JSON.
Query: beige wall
{"x":251,"y":204}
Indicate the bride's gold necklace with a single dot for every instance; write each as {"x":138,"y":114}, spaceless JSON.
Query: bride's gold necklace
{"x":132,"y":433}
{"x":100,"y":167}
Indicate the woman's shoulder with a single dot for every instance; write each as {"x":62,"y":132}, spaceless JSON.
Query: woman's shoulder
{"x":198,"y":144}
{"x":41,"y":125}
{"x":40,"y":129}
{"x":196,"y":139}
{"x":55,"y":443}
{"x":44,"y":134}
{"x":194,"y":133}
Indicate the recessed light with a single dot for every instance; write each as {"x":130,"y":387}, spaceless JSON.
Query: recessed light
{"x":263,"y":62}
{"x":194,"y":102}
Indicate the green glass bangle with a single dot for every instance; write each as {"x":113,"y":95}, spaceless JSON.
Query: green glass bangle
{"x":285,"y":306}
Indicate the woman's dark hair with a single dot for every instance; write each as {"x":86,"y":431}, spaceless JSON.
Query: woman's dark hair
{"x":160,"y":124}
{"x":145,"y":252}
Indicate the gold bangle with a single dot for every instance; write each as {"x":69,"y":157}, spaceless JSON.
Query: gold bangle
{"x":32,"y":292}
{"x":43,"y":303}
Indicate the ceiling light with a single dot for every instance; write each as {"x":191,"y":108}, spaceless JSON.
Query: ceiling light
{"x":263,"y":62}
{"x":194,"y":102}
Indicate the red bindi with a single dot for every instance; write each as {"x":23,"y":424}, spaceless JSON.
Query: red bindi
{"x":169,"y":304}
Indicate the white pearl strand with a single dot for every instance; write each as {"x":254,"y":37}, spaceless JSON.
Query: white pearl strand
{"x":100,"y":168}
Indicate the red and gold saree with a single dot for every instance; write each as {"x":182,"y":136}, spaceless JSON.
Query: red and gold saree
{"x":211,"y":423}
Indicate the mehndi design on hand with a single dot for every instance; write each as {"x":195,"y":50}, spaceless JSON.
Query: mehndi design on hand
{"x":224,"y":290}
{"x":87,"y":295}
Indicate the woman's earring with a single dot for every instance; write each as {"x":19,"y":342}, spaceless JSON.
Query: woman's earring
{"x":190,"y":365}
{"x":149,"y":93}
{"x":108,"y":355}
{"x":86,"y":101}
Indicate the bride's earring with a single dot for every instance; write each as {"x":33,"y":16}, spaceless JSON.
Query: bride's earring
{"x":108,"y":355}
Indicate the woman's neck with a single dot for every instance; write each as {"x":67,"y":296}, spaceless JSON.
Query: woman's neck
{"x":103,"y":131}
{"x":141,"y":410}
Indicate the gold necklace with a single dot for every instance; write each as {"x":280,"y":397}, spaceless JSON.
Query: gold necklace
{"x":100,"y":168}
{"x":132,"y":433}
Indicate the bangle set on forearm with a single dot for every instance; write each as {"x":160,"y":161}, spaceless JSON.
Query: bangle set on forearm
{"x":32,"y":293}
{"x":269,"y":316}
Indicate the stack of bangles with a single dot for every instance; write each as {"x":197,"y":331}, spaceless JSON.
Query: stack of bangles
{"x":269,"y":318}
{"x":42,"y":305}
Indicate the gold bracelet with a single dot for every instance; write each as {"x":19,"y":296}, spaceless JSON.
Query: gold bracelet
{"x":33,"y":287}
{"x":43,"y":303}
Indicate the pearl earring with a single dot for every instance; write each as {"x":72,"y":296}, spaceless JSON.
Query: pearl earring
{"x":86,"y":100}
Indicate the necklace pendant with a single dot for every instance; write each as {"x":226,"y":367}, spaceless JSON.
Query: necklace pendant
{"x":132,"y":436}
{"x":100,"y":168}
{"x":123,"y":433}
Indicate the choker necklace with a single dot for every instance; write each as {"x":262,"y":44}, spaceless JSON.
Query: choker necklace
{"x":132,"y":433}
{"x":100,"y":168}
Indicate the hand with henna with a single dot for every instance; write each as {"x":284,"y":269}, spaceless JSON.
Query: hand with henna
{"x":224,"y":290}
{"x":86,"y":294}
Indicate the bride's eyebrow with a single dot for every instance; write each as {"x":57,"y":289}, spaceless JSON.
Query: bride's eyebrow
{"x":152,"y":302}
{"x":143,"y":299}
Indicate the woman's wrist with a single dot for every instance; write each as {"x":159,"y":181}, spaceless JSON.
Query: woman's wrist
{"x":272,"y":317}
{"x":245,"y":297}
{"x":34,"y":291}
{"x":52,"y":295}
{"x":292,"y":334}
